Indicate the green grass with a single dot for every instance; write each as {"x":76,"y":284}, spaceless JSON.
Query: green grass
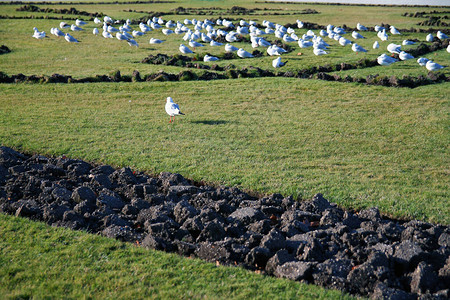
{"x":360,"y":146}
{"x":300,"y":137}
{"x":38,"y":261}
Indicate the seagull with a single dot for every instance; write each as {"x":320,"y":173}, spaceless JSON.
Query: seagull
{"x":385,"y":60}
{"x":343,"y":41}
{"x":107,"y":35}
{"x":288,"y":39}
{"x":209,"y":58}
{"x":107,"y":19}
{"x":121,"y":37}
{"x":63,"y":25}
{"x":97,"y":21}
{"x":136,"y":33}
{"x":405,"y":56}
{"x":276,"y":63}
{"x":432,"y":66}
{"x":95,"y":31}
{"x":112,"y":29}
{"x":357,"y":35}
{"x":74,"y":27}
{"x":422,"y":61}
{"x":166,"y":31}
{"x":244,"y":54}
{"x":394,"y":30}
{"x":195,"y":44}
{"x":408,"y":42}
{"x":214,"y":43}
{"x":358,"y":48}
{"x":318,"y":51}
{"x":132,"y":42}
{"x":172,"y":109}
{"x":429,"y":38}
{"x":305,"y":44}
{"x":383,"y":35}
{"x":70,"y":38}
{"x":185,"y":50}
{"x":393,"y":48}
{"x":361,"y":27}
{"x":441,"y":35}
{"x":230,"y":48}
{"x":273,"y":51}
{"x":156,"y":41}
{"x":376,"y":45}
{"x":80,"y":22}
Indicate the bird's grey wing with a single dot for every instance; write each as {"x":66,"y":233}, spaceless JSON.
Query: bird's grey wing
{"x":175,"y":107}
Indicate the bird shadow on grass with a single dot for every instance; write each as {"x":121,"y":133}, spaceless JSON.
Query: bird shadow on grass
{"x":210,"y":122}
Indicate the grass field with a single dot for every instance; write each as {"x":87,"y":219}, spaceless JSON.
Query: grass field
{"x":360,"y":146}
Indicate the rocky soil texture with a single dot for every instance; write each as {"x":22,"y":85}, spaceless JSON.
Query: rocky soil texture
{"x":312,"y":241}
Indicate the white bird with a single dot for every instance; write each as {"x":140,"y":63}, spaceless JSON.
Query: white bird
{"x":277,"y":63}
{"x":195,"y":44}
{"x":271,"y":50}
{"x":429,"y":38}
{"x":107,"y":35}
{"x":70,"y":38}
{"x":343,"y":41}
{"x":394,"y":48}
{"x":172,"y":109}
{"x":136,"y":33}
{"x":288,"y":39}
{"x":209,"y":58}
{"x":422,"y":61}
{"x":167,"y":31}
{"x":385,"y":60}
{"x":231,"y":37}
{"x":80,"y":22}
{"x":305,"y":44}
{"x":58,"y":32}
{"x":244,"y":54}
{"x":300,"y":24}
{"x":323,"y":33}
{"x":358,"y":48}
{"x":361,"y":27}
{"x":383,"y":35}
{"x":185,"y":50}
{"x":107,"y":19}
{"x":263,"y":43}
{"x":155,"y":41}
{"x":230,"y":48}
{"x":376,"y":45}
{"x":357,"y":35}
{"x":121,"y":37}
{"x":205,"y":38}
{"x":95,"y":31}
{"x":132,"y":42}
{"x":432,"y":66}
{"x":112,"y":29}
{"x":97,"y":21}
{"x":408,"y":42}
{"x":318,"y":51}
{"x":38,"y":35}
{"x":379,"y":28}
{"x":448,"y":48}
{"x":405,"y":56}
{"x":63,"y":25}
{"x":441,"y":35}
{"x":214,"y":43}
{"x":74,"y":27}
{"x":339,"y":30}
{"x":394,"y":30}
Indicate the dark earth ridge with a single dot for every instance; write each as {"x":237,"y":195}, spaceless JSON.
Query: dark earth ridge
{"x":315,"y":241}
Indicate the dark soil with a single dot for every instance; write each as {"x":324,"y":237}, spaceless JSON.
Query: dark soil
{"x":361,"y":253}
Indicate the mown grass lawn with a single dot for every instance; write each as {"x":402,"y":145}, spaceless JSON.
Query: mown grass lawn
{"x":360,"y":146}
{"x":352,"y":143}
{"x":38,"y":261}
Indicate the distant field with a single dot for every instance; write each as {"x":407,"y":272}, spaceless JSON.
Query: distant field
{"x":359,"y":145}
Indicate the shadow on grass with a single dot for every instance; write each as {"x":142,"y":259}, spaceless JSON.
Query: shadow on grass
{"x":210,"y":122}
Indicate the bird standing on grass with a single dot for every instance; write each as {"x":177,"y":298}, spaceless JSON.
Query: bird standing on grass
{"x":172,"y":109}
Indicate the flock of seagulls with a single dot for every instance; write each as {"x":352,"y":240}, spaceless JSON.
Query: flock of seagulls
{"x":204,"y":33}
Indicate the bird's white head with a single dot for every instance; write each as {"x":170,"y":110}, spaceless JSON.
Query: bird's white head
{"x":169,"y":99}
